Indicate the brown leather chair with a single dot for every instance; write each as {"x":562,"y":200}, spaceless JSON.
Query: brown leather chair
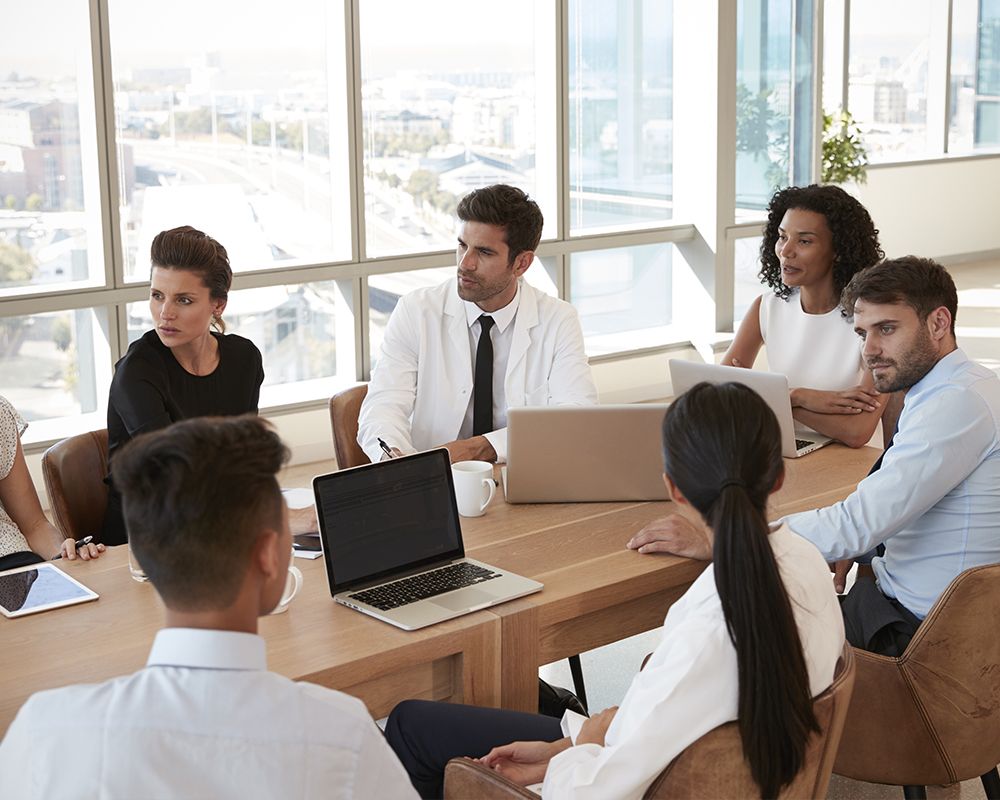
{"x":932,"y":716}
{"x":74,"y":471}
{"x":710,"y":768}
{"x":345,"y":407}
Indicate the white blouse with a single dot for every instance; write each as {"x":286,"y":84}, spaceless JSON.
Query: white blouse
{"x":814,"y":351}
{"x":690,"y":684}
{"x":12,"y":425}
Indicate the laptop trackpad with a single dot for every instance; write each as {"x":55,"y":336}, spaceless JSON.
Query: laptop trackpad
{"x":464,"y":598}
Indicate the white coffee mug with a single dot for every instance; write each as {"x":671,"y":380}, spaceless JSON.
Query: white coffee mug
{"x":474,"y":486}
{"x":293,"y":582}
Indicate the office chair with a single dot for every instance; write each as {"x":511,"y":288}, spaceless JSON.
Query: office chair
{"x":74,"y":471}
{"x":345,"y":406}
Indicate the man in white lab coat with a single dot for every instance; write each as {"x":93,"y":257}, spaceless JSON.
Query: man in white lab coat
{"x":436,"y":382}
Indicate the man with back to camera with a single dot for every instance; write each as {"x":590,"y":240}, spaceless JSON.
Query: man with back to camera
{"x":438,"y":380}
{"x":935,"y":502}
{"x":205,"y":718}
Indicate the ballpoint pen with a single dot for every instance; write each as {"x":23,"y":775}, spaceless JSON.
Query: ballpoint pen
{"x":385,"y":448}
{"x":78,"y":544}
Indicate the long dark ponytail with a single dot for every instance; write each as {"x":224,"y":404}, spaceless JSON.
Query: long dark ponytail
{"x":722,"y":448}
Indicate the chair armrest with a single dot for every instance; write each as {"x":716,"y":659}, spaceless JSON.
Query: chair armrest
{"x":466,"y":777}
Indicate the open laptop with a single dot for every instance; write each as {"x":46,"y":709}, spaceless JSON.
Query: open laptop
{"x":393,"y":548}
{"x":772,"y":386}
{"x":579,"y":454}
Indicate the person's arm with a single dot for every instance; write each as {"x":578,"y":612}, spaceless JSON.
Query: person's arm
{"x":392,"y":391}
{"x":849,"y":416}
{"x":748,"y":340}
{"x":941,"y":442}
{"x":138,"y":395}
{"x":20,"y":500}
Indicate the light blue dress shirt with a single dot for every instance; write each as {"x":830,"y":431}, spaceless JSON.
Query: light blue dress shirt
{"x":935,"y":502}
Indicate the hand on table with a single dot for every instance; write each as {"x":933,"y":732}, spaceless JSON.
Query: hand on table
{"x":476,"y":448}
{"x":303,"y":520}
{"x":595,"y":729}
{"x":69,"y":551}
{"x":524,"y":763}
{"x":672,"y":534}
{"x":849,"y":401}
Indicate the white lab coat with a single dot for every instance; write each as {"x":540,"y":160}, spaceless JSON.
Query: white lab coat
{"x":422,"y":384}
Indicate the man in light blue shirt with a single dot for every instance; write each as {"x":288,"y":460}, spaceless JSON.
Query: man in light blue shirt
{"x":935,"y":502}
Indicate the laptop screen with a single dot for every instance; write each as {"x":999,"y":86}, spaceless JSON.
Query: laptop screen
{"x":389,"y":517}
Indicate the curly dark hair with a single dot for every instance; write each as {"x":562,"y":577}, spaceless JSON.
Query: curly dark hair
{"x":855,"y":237}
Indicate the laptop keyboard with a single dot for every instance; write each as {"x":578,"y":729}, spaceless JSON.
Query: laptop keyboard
{"x":426,"y":584}
{"x":802,"y":443}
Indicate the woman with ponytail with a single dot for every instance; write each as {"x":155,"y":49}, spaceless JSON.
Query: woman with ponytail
{"x":754,"y":639}
{"x":186,"y":366}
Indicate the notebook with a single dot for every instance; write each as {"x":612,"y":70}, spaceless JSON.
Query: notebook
{"x":771,"y":386}
{"x":580,"y":454}
{"x":392,"y":544}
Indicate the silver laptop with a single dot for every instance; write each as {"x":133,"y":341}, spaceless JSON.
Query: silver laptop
{"x":579,"y":454}
{"x":393,"y":548}
{"x":772,"y":386}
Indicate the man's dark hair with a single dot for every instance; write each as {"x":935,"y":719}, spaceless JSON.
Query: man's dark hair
{"x":509,"y":208}
{"x":920,"y":283}
{"x":855,"y":237}
{"x":195,"y":496}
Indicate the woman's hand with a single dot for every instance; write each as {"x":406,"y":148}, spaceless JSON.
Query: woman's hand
{"x":524,"y":763}
{"x":596,"y":728}
{"x":69,"y":551}
{"x":855,"y":400}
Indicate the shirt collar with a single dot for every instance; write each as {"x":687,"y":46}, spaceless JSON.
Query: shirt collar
{"x":940,"y":373}
{"x":501,"y":317}
{"x":207,"y":649}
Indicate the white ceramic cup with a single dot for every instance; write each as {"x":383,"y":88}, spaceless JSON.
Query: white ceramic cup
{"x":474,"y":486}
{"x":292,"y":585}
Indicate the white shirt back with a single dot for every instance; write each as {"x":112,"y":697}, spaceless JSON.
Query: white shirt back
{"x":204,"y":719}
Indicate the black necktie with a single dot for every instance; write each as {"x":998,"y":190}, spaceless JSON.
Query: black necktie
{"x":482,"y":393}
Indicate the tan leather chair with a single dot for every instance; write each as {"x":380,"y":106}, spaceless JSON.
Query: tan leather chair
{"x":345,"y":407}
{"x":74,"y":471}
{"x":932,"y":716}
{"x":710,"y":768}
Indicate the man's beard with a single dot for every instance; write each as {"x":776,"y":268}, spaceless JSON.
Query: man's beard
{"x":914,"y":364}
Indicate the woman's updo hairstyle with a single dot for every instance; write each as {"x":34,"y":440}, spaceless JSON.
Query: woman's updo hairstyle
{"x":189,"y":249}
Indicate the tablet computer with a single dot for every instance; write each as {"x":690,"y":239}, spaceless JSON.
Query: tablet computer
{"x":39,"y":587}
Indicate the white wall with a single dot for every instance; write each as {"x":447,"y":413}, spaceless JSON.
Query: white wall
{"x":945,"y":209}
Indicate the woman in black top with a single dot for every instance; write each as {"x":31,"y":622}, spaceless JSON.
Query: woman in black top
{"x":182,"y":368}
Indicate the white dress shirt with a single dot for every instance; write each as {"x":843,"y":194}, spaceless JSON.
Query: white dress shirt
{"x":422,"y":384}
{"x":690,"y":684}
{"x":204,"y":719}
{"x":935,"y":502}
{"x":501,"y":335}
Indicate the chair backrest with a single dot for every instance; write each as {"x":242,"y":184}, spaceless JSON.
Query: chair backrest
{"x":714,"y":766}
{"x":345,"y":407}
{"x":74,"y":471}
{"x":934,"y":712}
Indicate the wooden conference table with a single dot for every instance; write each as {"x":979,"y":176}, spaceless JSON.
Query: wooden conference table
{"x":596,"y":592}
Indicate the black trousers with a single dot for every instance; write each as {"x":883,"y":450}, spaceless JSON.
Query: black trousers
{"x":875,"y":622}
{"x":426,"y":735}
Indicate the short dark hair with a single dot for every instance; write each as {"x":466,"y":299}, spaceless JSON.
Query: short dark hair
{"x":195,"y":497}
{"x":920,"y":283}
{"x":509,"y":208}
{"x":855,"y":237}
{"x":189,"y":249}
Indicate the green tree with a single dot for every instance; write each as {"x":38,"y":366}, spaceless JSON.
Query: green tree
{"x":845,"y":157}
{"x":10,"y":202}
{"x":62,"y":333}
{"x":33,"y":202}
{"x":16,"y":265}
{"x":422,"y":185}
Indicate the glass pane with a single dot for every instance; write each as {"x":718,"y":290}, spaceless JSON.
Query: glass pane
{"x":50,"y":214}
{"x":763,"y":101}
{"x":746,"y":284}
{"x":962,"y":108}
{"x":56,"y":370}
{"x":890,"y":44}
{"x":621,"y":114}
{"x":385,"y":290}
{"x":234,"y":124}
{"x":988,"y":75}
{"x":624,"y":297}
{"x":304,"y":332}
{"x":449,"y":108}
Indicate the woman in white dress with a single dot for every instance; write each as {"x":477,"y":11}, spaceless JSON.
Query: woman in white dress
{"x":753,"y":639}
{"x":815,"y":239}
